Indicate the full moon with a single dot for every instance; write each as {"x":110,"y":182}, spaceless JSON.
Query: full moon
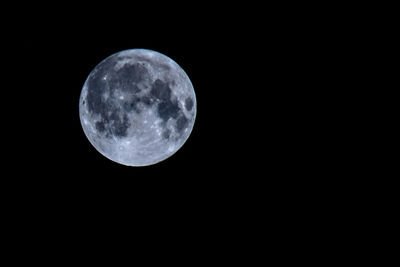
{"x":137,"y":107}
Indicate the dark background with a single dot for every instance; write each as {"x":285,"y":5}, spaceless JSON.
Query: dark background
{"x":224,"y":58}
{"x":253,"y":152}
{"x":264,"y":172}
{"x":236,"y":59}
{"x":249,"y":71}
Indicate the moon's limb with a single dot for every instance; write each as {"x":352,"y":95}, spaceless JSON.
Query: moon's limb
{"x":137,"y":107}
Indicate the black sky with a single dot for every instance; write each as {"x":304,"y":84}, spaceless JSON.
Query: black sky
{"x":261,"y":161}
{"x":242,"y":63}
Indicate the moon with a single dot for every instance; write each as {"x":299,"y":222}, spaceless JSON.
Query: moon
{"x":137,"y":107}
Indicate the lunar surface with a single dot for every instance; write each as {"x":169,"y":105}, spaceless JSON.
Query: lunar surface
{"x":137,"y":107}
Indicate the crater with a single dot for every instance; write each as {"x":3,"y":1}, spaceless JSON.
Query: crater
{"x":166,"y":134}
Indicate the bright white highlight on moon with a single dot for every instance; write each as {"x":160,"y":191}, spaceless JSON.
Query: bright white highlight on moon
{"x":137,"y":107}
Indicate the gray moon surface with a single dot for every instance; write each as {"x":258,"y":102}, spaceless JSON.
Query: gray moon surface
{"x":137,"y":107}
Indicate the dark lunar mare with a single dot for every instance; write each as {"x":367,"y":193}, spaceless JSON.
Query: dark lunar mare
{"x":147,"y":100}
{"x":112,"y":122}
{"x":160,"y":90}
{"x":188,"y":104}
{"x":97,"y":86}
{"x":132,"y":105}
{"x":181,"y":123}
{"x":127,"y":77}
{"x":168,"y":109}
